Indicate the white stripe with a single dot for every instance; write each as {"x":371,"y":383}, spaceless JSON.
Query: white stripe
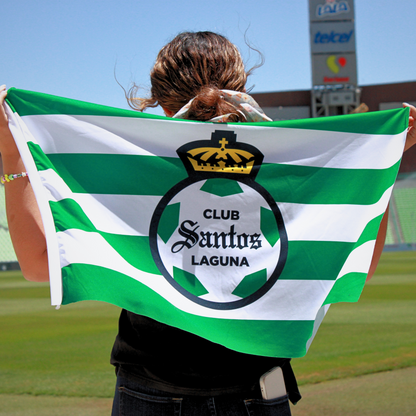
{"x":359,"y":260}
{"x":103,"y":134}
{"x":114,"y":214}
{"x":330,"y":222}
{"x":287,"y":300}
{"x":318,"y":320}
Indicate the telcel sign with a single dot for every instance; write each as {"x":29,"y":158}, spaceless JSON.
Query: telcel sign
{"x":332,"y":37}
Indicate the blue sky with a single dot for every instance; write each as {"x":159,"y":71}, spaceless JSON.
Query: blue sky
{"x":73,"y":48}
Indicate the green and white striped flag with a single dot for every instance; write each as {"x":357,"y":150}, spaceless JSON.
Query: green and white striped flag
{"x":240,"y":233}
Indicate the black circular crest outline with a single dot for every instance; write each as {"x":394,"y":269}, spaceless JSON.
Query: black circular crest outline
{"x":154,"y":223}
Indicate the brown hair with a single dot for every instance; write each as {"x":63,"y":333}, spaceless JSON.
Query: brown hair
{"x":195,"y":65}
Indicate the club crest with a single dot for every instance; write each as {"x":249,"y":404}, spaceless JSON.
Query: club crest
{"x":218,"y":236}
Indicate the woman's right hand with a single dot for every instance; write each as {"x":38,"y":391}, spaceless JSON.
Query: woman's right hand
{"x":3,"y":94}
{"x":3,"y":116}
{"x":7,"y":144}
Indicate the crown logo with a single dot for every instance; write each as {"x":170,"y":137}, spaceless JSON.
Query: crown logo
{"x":220,"y":156}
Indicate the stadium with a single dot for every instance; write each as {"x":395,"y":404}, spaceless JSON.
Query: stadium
{"x":363,"y":359}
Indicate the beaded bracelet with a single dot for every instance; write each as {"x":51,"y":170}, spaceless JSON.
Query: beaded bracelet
{"x":12,"y":177}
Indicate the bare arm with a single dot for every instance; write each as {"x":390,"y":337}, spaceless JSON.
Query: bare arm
{"x":411,"y":132}
{"x":25,"y":224}
{"x":378,"y":248}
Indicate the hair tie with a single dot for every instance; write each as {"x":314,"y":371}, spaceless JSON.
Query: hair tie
{"x":244,"y":103}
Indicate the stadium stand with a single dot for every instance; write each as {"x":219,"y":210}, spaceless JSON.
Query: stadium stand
{"x":401,"y":233}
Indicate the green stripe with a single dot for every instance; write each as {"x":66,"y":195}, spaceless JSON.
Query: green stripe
{"x":121,"y":174}
{"x":29,"y":103}
{"x":268,"y":338}
{"x":150,"y":175}
{"x":314,"y":185}
{"x":379,"y":122}
{"x":41,"y":160}
{"x":315,"y":260}
{"x":370,"y":231}
{"x":323,"y":260}
{"x":134,"y":249}
{"x":348,"y":288}
{"x":112,"y":174}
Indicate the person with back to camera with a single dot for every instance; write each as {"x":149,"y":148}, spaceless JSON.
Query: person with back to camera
{"x":162,"y":370}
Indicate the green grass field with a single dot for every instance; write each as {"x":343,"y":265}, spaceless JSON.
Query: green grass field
{"x":378,"y":333}
{"x":56,"y":362}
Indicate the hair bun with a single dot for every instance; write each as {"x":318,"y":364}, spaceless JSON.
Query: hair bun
{"x":210,"y":103}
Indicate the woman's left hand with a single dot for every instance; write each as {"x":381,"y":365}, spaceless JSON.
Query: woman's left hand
{"x":411,"y":131}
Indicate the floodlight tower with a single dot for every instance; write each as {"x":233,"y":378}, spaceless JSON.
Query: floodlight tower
{"x":334,"y":63}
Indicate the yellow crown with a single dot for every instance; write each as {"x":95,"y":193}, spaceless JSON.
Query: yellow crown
{"x":220,"y":159}
{"x":220,"y":155}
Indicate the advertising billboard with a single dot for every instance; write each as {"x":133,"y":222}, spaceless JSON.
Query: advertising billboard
{"x":332,"y":37}
{"x":334,"y":68}
{"x":320,"y":10}
{"x":333,"y":56}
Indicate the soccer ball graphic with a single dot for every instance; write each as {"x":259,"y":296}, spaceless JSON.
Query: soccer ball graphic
{"x":218,"y":241}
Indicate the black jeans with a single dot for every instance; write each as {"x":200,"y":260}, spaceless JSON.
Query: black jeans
{"x":131,"y":399}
